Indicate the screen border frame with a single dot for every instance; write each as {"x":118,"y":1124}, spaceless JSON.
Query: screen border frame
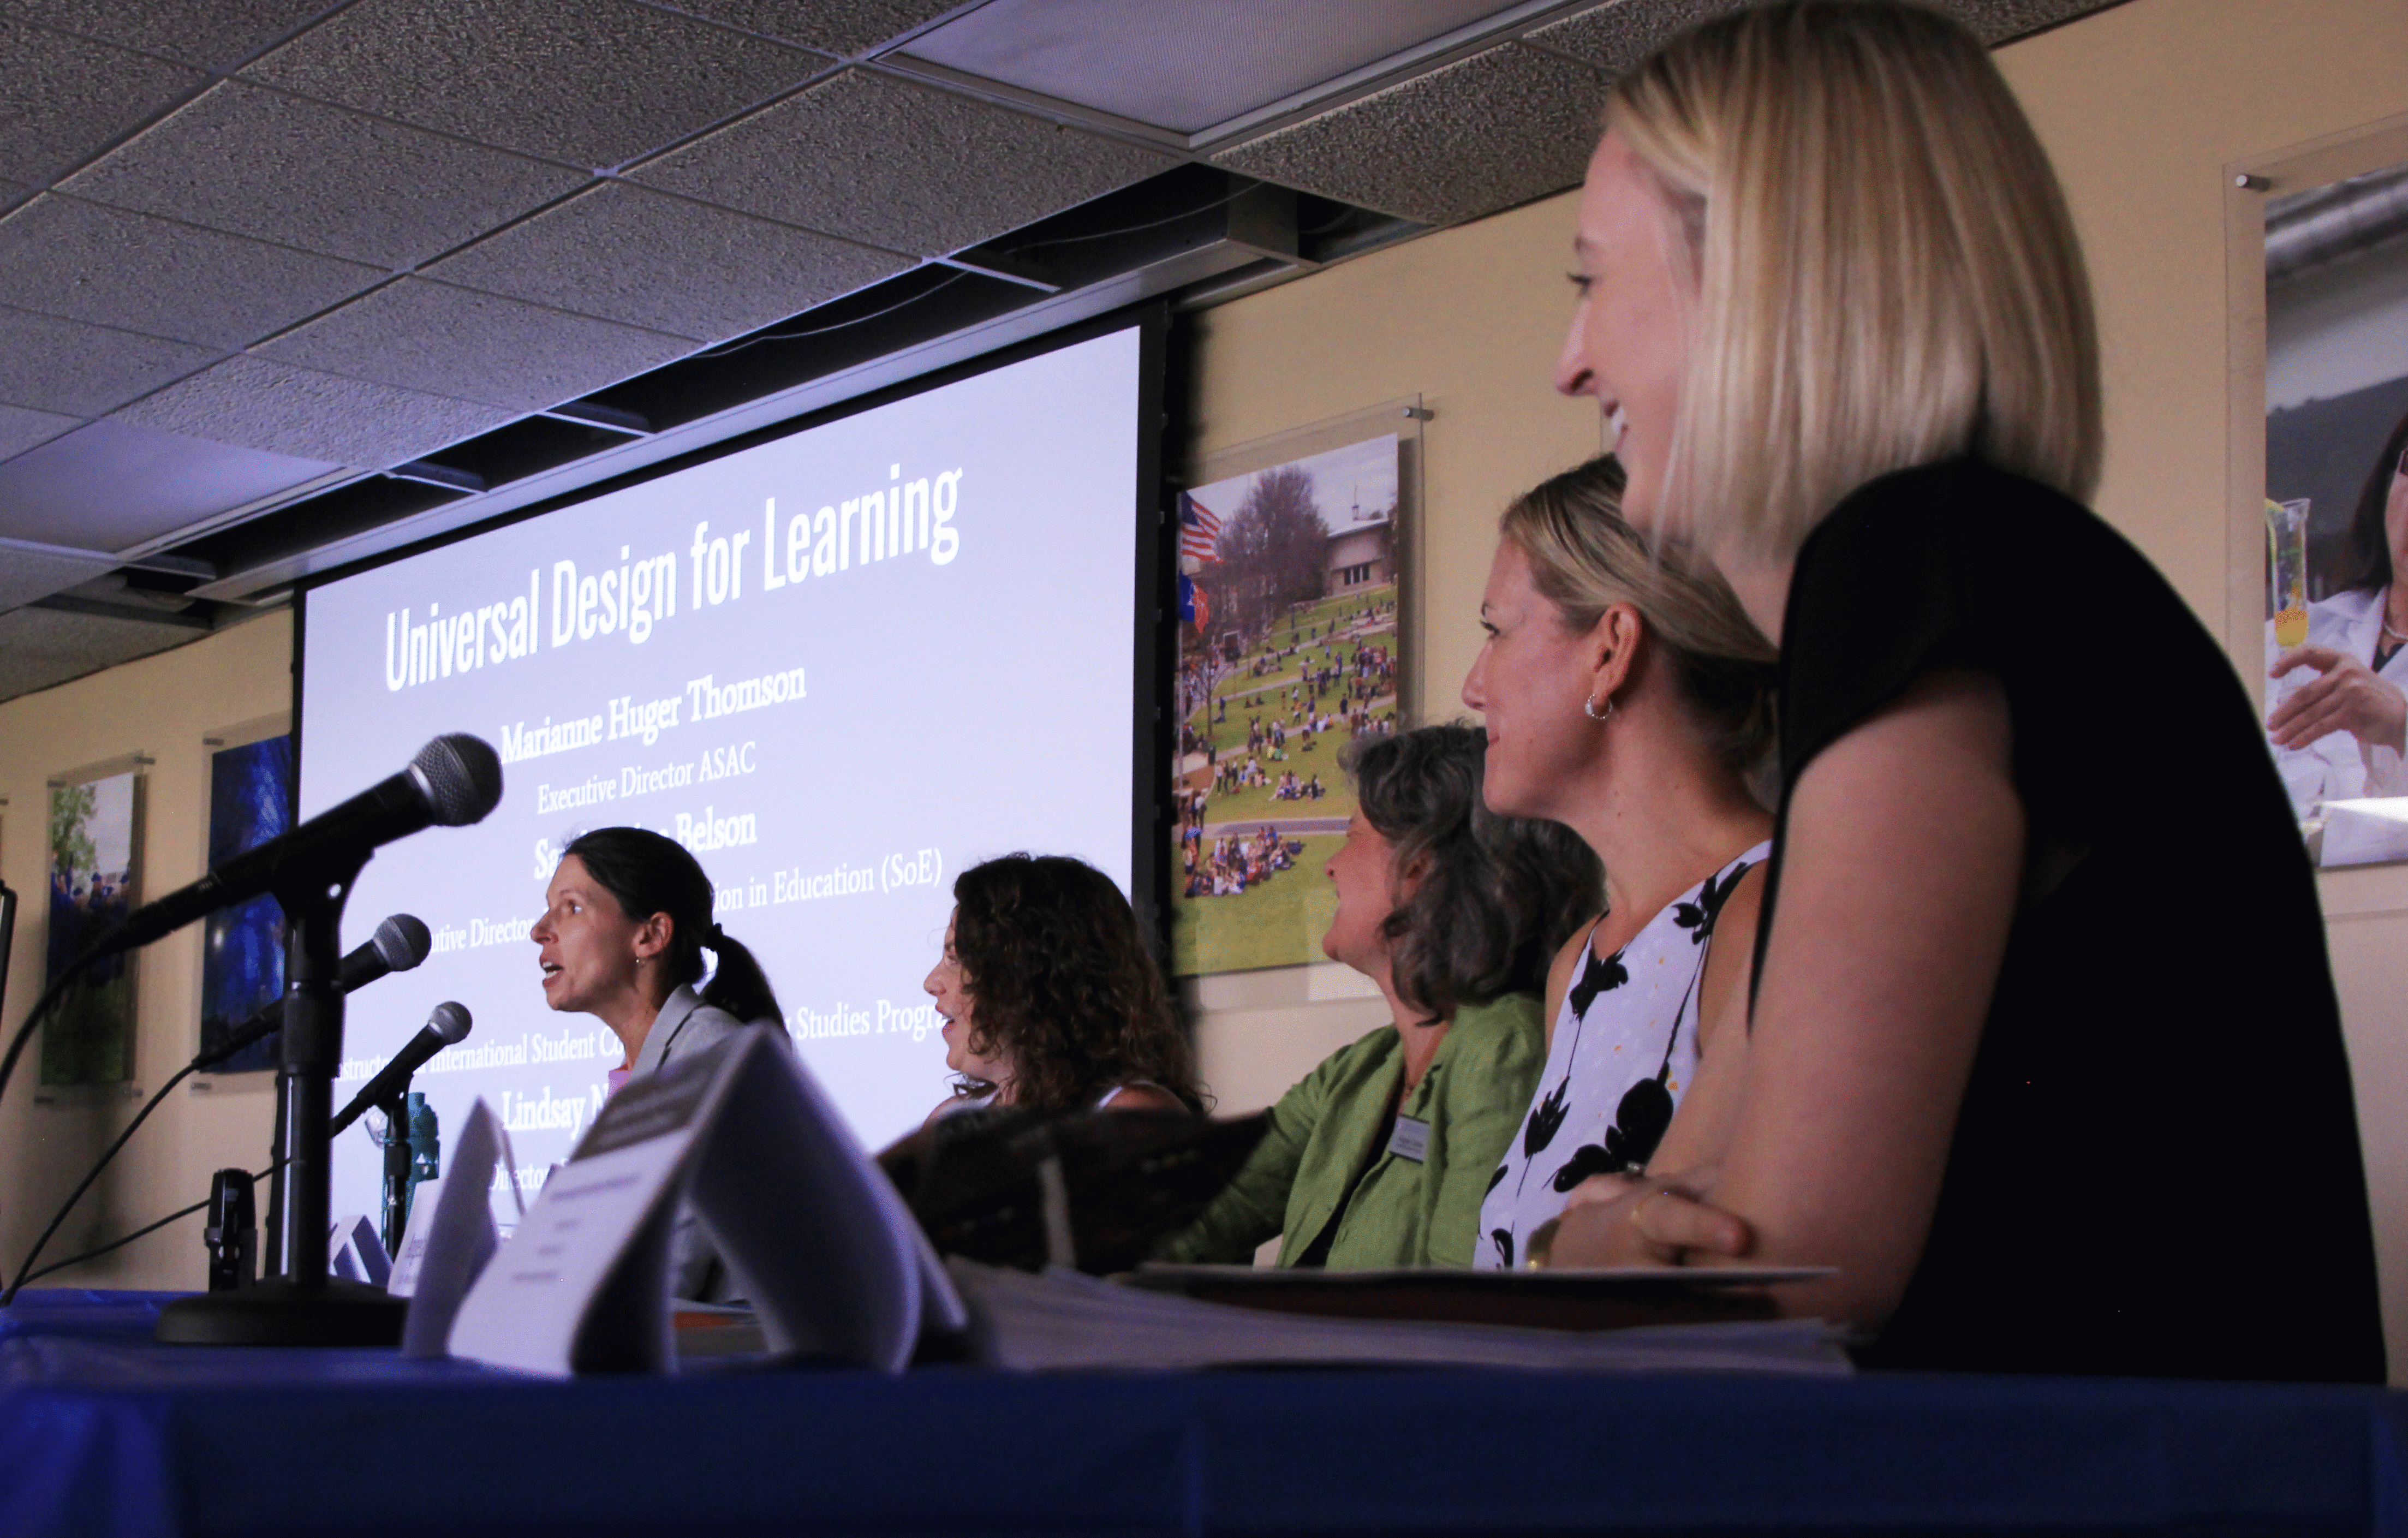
{"x":1152,"y":584}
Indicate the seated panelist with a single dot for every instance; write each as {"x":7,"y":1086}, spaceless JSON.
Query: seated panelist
{"x":1381,"y":1156}
{"x":625,"y":921}
{"x":1050,"y":998}
{"x":1628,"y":696}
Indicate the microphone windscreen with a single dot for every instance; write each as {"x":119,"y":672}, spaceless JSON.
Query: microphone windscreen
{"x":463,"y":776}
{"x":451,"y":1022}
{"x":401,"y":942}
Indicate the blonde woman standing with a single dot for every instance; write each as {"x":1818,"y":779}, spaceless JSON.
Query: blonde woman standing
{"x":2047,"y":1063}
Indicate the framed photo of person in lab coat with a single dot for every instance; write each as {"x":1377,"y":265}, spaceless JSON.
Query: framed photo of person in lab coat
{"x":2336,"y":512}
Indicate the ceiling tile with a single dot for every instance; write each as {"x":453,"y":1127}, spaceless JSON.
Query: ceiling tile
{"x":213,"y":33}
{"x":254,"y":403}
{"x":2003,"y":21}
{"x":67,"y":98}
{"x":110,"y":485}
{"x":832,"y":26}
{"x":304,"y":174}
{"x":21,"y":429}
{"x":29,"y":574}
{"x":1618,"y":34}
{"x":42,"y":647}
{"x":1494,"y":130}
{"x":49,"y":365}
{"x":652,"y":260}
{"x":450,"y":341}
{"x":112,"y":267}
{"x":593,"y":82}
{"x":1185,"y":67}
{"x":913,"y":169}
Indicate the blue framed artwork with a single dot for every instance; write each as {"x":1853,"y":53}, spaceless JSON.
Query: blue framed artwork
{"x":242,"y":948}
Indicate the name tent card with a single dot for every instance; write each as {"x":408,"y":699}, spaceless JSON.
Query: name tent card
{"x":812,"y":1234}
{"x":452,"y":1235}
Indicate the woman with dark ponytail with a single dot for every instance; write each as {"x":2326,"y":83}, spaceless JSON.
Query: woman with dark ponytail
{"x":626,"y":922}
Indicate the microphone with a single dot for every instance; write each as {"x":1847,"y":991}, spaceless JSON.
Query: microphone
{"x":399,"y":943}
{"x":448,"y":1025}
{"x":454,"y":780}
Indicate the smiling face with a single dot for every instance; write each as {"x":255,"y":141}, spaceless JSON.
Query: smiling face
{"x":1629,"y":343}
{"x":1529,"y":682}
{"x":590,"y":950}
{"x":948,"y":985}
{"x":1364,"y":873}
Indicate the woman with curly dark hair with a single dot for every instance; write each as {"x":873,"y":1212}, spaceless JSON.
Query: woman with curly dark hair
{"x":1050,"y":998}
{"x":1381,"y":1155}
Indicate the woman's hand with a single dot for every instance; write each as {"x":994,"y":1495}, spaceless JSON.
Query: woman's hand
{"x":2349,"y":696}
{"x":1626,"y":1220}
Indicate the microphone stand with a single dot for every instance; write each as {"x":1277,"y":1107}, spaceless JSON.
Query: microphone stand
{"x":304,"y":1306}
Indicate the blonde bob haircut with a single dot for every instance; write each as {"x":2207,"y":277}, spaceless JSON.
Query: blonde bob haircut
{"x":1887,"y":272}
{"x":1585,"y":559}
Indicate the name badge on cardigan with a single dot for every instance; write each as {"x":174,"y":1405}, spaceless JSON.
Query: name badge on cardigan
{"x":1410,"y":1139}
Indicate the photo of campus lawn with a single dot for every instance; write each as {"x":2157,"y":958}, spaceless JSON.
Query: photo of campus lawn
{"x":1330,"y":659}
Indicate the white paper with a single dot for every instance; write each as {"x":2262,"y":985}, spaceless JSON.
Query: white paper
{"x":451,"y":1237}
{"x":1064,"y":1320}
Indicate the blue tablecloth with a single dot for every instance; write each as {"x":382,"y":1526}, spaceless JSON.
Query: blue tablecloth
{"x":103,"y":1433}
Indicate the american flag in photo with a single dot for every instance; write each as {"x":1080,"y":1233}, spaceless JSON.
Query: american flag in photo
{"x":1199,"y":529}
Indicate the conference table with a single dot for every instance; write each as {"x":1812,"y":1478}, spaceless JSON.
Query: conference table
{"x":104,"y":1432}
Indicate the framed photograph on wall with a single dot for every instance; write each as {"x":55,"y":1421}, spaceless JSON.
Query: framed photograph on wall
{"x":95,"y":826}
{"x":1292,"y":643}
{"x":2336,"y":511}
{"x":242,"y":947}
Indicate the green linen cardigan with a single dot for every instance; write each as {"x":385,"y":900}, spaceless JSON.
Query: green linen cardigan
{"x":1302,"y":1181}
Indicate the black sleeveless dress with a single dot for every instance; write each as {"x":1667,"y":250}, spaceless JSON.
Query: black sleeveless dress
{"x":2156,"y":1169}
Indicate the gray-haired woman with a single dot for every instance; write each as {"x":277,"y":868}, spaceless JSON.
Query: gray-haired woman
{"x":1381,"y":1155}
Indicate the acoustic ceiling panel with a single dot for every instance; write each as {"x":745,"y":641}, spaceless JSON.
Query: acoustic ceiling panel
{"x":29,"y":574}
{"x":1616,"y":35}
{"x":67,"y":98}
{"x":845,"y":28}
{"x":303,"y":174}
{"x":212,"y":33}
{"x":1499,"y":128}
{"x":255,"y":403}
{"x":692,"y":269}
{"x":49,"y":365}
{"x":874,"y":159}
{"x":109,"y":486}
{"x":1185,"y":67}
{"x":2001,"y":21}
{"x":112,"y":267}
{"x":21,"y":429}
{"x":451,"y":341}
{"x":42,"y":647}
{"x":591,"y":82}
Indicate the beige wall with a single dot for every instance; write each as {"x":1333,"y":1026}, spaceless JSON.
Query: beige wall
{"x":161,"y":707}
{"x":2146,"y":108}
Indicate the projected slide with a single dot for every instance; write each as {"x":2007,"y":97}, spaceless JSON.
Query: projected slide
{"x":838,"y":666}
